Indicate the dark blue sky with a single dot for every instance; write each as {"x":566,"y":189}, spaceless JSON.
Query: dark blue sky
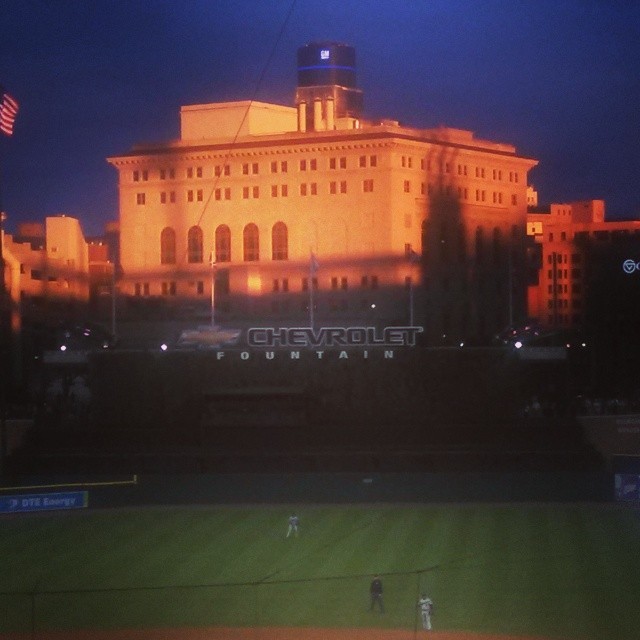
{"x":557,"y":78}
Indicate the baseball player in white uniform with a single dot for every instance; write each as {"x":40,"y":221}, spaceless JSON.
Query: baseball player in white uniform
{"x":426,"y":609}
{"x":294,"y":521}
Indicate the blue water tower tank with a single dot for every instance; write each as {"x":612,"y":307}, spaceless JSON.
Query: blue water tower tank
{"x":327,"y":74}
{"x":327,"y":63}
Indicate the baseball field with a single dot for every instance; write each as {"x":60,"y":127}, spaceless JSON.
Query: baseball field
{"x":513,"y":571}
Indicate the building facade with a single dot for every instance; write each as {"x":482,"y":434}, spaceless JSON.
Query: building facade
{"x":267,"y":204}
{"x":570,"y":237}
{"x":47,"y":265}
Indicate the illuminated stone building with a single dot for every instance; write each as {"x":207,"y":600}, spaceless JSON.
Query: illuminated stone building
{"x":387,"y":223}
{"x":575,"y":242}
{"x":47,"y":267}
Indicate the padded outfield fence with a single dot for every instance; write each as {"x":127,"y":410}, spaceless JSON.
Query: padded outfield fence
{"x":269,"y":603}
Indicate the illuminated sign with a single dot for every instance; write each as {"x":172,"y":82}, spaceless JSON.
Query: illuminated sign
{"x":301,"y":337}
{"x":630,"y":266}
{"x":324,"y":54}
{"x":44,"y":502}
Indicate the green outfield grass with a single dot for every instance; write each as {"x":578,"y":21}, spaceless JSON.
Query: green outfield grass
{"x":562,"y":571}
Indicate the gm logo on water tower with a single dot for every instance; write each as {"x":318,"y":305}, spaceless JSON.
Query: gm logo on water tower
{"x":630,"y":266}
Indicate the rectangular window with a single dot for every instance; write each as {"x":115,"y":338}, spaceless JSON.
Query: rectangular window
{"x":172,"y":196}
{"x":254,"y":168}
{"x":274,"y":190}
{"x":136,"y":176}
{"x":190,"y":196}
{"x":407,"y":186}
{"x":284,"y":189}
{"x":145,"y":288}
{"x":227,"y":193}
{"x":199,"y":172}
{"x":163,"y":174}
{"x":314,"y":188}
{"x":343,"y":163}
{"x":218,"y":194}
{"x":199,"y":195}
{"x":199,"y":287}
{"x":344,"y":283}
{"x":190,"y":172}
{"x":274,"y":167}
{"x":333,"y":187}
{"x":303,"y":189}
{"x":332,"y":163}
{"x":367,"y":186}
{"x":163,"y":197}
{"x":363,"y":161}
{"x":373,"y":161}
{"x":374,"y":282}
{"x":334,"y":283}
{"x":276,"y":285}
{"x":283,"y":166}
{"x":140,"y":198}
{"x":313,"y":164}
{"x":245,"y":169}
{"x":303,"y":165}
{"x":364,"y":282}
{"x":256,"y":192}
{"x":285,"y":284}
{"x":245,"y":193}
{"x":343,"y":187}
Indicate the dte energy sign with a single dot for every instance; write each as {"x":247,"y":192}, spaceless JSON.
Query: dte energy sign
{"x":44,"y":502}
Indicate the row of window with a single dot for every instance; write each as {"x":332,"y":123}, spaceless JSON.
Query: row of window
{"x":222,"y":244}
{"x":311,"y":164}
{"x":563,"y":258}
{"x":561,"y":274}
{"x":279,"y":285}
{"x":335,"y":187}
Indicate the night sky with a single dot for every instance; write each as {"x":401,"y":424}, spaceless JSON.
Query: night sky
{"x":559,"y":79}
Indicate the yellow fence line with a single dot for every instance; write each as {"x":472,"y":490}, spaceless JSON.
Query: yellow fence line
{"x":66,"y":485}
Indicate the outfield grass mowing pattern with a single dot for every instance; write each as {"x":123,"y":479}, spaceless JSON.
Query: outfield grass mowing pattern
{"x":560,"y":571}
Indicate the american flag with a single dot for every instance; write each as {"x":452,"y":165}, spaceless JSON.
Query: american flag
{"x":8,"y":111}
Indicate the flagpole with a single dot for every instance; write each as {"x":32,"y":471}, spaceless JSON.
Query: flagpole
{"x":311,"y":301}
{"x":410,"y":301}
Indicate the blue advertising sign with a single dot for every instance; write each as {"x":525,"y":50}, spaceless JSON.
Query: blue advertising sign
{"x":627,"y":487}
{"x":44,"y":502}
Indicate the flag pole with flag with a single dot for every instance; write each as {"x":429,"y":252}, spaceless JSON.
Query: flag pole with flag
{"x":8,"y":111}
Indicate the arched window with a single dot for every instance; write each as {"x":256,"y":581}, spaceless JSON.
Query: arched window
{"x":168,"y":246}
{"x":194,"y":245}
{"x":223,"y":244}
{"x":279,"y":242}
{"x":251,"y":243}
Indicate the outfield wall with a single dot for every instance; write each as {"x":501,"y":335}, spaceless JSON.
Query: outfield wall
{"x":345,"y":488}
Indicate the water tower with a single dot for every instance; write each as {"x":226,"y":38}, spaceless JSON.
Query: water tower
{"x":327,"y":96}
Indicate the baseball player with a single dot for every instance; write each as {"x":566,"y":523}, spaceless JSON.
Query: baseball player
{"x":375,"y":590}
{"x":294,"y":521}
{"x":426,"y":609}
